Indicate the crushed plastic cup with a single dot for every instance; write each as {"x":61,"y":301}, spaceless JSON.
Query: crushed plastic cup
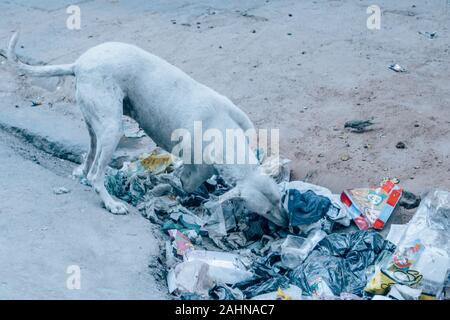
{"x":295,"y":249}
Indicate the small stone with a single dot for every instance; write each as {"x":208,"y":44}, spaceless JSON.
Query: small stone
{"x":253,"y":31}
{"x":394,"y":180}
{"x":36,"y":103}
{"x":60,"y":190}
{"x":409,"y":200}
{"x":397,"y":68}
{"x":345,"y":157}
{"x":400,"y":145}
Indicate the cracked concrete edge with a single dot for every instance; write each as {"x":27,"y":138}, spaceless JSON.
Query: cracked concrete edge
{"x":58,"y":149}
{"x":71,"y":151}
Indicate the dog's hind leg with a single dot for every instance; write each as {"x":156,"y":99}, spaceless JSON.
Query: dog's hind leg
{"x":102,"y":107}
{"x":83,"y":169}
{"x":108,"y":141}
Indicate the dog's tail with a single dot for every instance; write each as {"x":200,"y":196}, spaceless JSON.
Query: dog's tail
{"x":38,"y":71}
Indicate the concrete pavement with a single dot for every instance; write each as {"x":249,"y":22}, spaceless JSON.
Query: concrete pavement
{"x":42,"y":234}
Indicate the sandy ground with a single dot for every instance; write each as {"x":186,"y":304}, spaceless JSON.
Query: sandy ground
{"x":304,"y":67}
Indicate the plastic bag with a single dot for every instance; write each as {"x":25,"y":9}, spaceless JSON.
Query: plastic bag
{"x":224,"y":267}
{"x":266,"y":277}
{"x":265,"y":286}
{"x":305,"y":208}
{"x":421,"y":260}
{"x":315,"y":198}
{"x":191,"y":277}
{"x":338,"y":264}
{"x":224,"y":292}
{"x":295,"y":249}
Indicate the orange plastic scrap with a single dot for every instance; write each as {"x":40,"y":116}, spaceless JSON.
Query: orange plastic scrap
{"x":157,"y":163}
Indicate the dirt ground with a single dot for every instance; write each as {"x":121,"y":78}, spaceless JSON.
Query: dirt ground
{"x":42,"y":234}
{"x":302,"y":67}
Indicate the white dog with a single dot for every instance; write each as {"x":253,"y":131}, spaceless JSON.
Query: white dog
{"x":116,"y":78}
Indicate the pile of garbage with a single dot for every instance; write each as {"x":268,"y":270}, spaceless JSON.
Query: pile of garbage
{"x":219,"y":250}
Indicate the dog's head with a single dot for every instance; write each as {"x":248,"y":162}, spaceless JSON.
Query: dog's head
{"x":261,"y":195}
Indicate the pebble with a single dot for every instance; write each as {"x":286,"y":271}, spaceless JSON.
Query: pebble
{"x":60,"y":190}
{"x":400,"y":145}
{"x":409,"y":200}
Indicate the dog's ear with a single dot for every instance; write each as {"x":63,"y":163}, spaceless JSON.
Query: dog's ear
{"x":231,"y":194}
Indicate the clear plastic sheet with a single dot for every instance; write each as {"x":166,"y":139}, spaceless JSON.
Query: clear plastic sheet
{"x":421,"y":260}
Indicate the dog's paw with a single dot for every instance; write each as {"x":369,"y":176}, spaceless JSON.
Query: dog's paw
{"x":78,"y":173}
{"x":116,"y":207}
